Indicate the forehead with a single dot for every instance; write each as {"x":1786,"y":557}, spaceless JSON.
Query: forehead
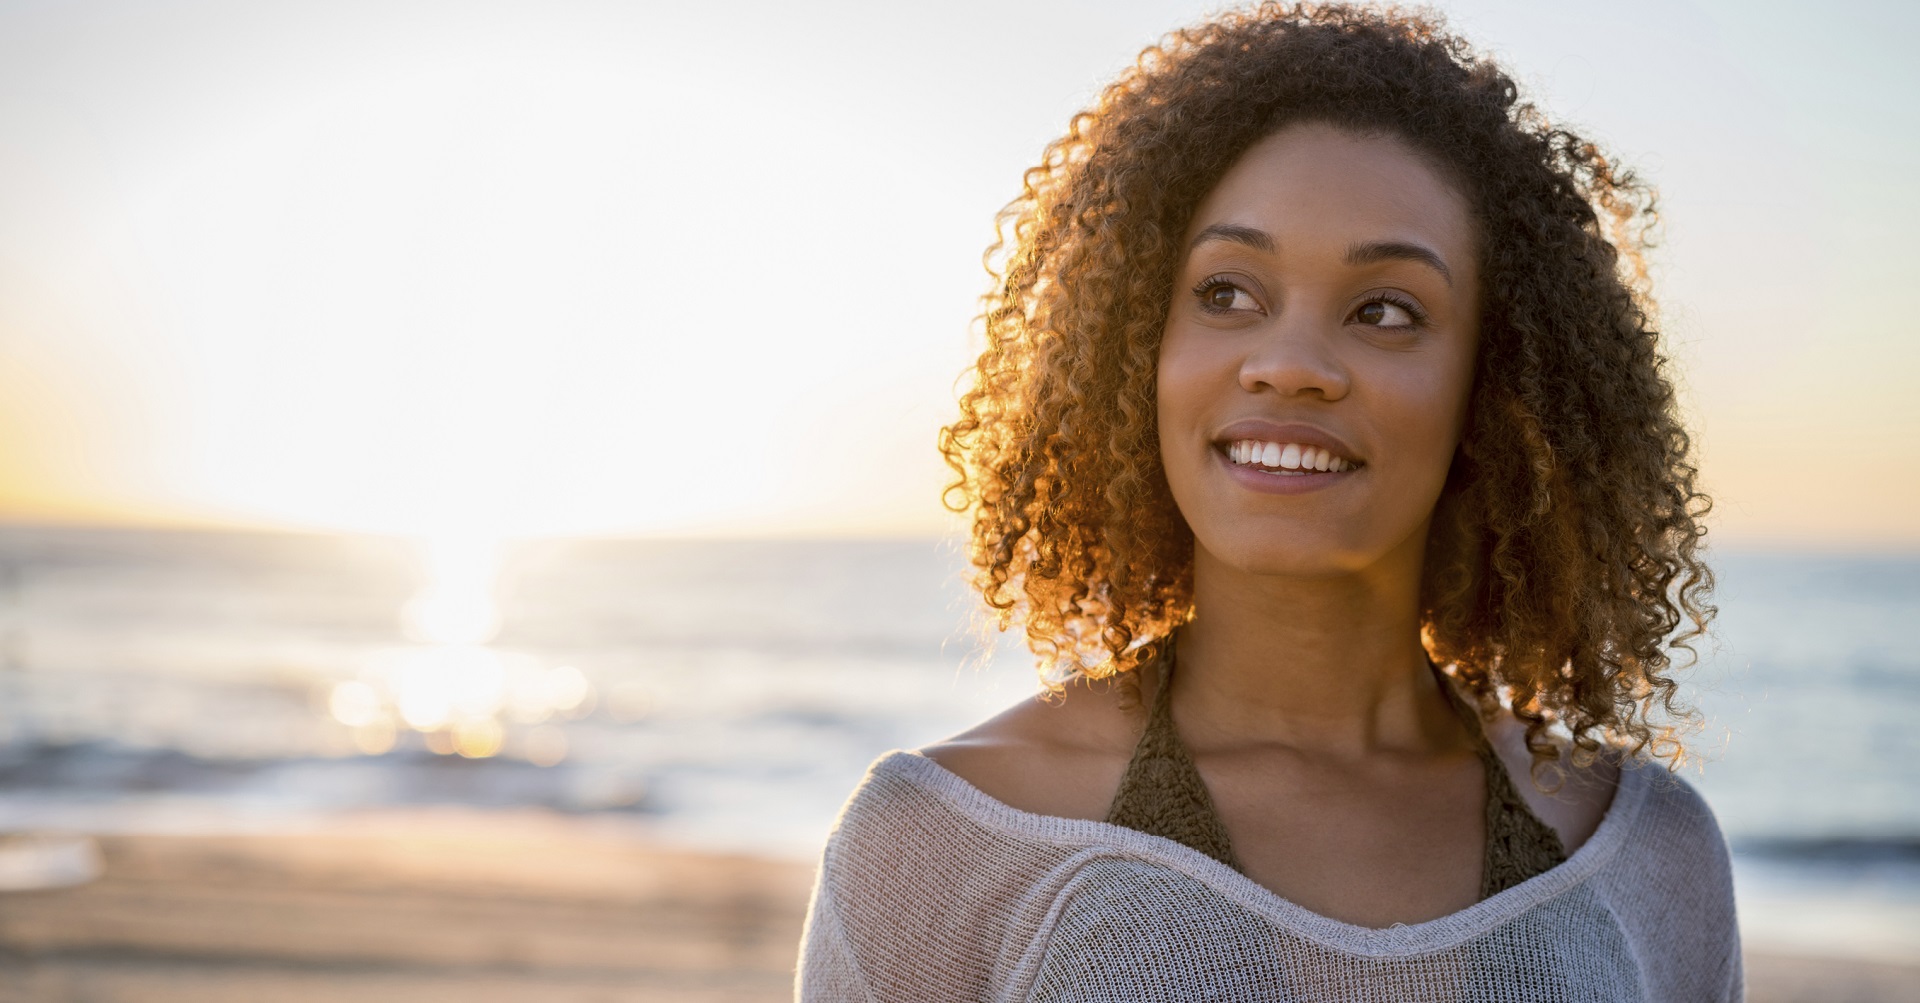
{"x":1313,"y":181}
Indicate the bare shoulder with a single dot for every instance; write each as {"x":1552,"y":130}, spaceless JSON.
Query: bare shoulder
{"x":1576,"y":808}
{"x":1061,"y":754}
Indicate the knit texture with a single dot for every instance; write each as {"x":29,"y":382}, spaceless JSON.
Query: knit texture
{"x":931,"y":890}
{"x":1162,"y":793}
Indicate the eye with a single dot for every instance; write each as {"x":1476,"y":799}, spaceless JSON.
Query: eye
{"x":1386,"y":311}
{"x":1220,"y":295}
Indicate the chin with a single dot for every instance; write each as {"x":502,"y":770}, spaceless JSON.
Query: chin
{"x":1287,"y":554}
{"x":1310,"y":548}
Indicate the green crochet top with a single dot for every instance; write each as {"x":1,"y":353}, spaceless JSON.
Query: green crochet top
{"x":1162,"y":794}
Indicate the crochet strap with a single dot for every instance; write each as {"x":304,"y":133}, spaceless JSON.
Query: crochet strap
{"x":1518,"y":844}
{"x":1162,"y":794}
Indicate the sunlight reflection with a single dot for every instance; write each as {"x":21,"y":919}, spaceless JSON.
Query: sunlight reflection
{"x":458,"y":605}
{"x":477,"y":738}
{"x":463,"y":696}
{"x":447,"y":684}
{"x":464,"y":699}
{"x":377,"y":738}
{"x":355,"y":704}
{"x":564,"y":689}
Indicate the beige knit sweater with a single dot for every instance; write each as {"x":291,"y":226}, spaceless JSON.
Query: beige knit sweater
{"x":931,"y":890}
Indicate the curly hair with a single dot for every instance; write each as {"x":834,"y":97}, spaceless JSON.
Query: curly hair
{"x":1563,"y":559}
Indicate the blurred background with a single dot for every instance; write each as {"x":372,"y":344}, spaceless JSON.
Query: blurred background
{"x":468,"y":506}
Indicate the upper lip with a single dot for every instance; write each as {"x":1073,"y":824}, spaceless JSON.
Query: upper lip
{"x":1262,"y":430}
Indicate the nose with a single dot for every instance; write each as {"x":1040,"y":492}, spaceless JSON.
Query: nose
{"x":1296,"y":357}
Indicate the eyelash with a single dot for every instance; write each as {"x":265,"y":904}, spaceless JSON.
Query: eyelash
{"x":1413,"y":309}
{"x":1208,"y":285}
{"x":1212,"y":282}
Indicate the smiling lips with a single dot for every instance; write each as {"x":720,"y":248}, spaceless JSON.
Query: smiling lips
{"x":1287,"y":458}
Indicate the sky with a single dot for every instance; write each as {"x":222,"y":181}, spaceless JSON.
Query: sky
{"x":580,"y":267}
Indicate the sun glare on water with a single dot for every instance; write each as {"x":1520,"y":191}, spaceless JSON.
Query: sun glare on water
{"x":458,"y":605}
{"x":462,"y":694}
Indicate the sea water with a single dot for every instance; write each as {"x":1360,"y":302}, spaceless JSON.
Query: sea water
{"x":728,"y":694}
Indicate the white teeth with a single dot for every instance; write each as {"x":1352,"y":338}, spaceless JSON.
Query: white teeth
{"x":1289,"y":456}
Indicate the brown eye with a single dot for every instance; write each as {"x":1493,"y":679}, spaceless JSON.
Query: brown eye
{"x":1221,"y":296}
{"x":1386,"y":313}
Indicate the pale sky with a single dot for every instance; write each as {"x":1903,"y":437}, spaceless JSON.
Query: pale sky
{"x":602,"y":267}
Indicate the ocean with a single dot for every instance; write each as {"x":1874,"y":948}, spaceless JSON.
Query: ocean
{"x":728,"y":694}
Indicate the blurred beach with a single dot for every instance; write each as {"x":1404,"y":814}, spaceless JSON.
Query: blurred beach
{"x":429,"y":267}
{"x":315,"y":766}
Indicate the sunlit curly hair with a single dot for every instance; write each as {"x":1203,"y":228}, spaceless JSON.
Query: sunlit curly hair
{"x":1563,"y":562}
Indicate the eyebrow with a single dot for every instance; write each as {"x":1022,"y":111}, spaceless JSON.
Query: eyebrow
{"x":1393,"y":250}
{"x":1359,"y":254}
{"x":1251,"y":237}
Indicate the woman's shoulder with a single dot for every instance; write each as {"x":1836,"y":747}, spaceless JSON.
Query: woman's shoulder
{"x":1616,"y":782}
{"x":1060,"y":754}
{"x":916,"y":884}
{"x":1658,"y":853}
{"x":927,"y":873}
{"x":1675,"y":832}
{"x":1028,"y":773}
{"x":939,"y":882}
{"x":1666,"y":878}
{"x":1647,"y":844}
{"x":1573,"y":807}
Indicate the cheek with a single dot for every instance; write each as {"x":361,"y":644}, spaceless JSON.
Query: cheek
{"x":1186,"y":390}
{"x":1170,"y":396}
{"x":1427,"y":411}
{"x":1457,"y":397}
{"x":1185,"y":386}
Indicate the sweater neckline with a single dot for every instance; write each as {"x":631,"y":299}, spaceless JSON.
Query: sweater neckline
{"x":1102,"y":839}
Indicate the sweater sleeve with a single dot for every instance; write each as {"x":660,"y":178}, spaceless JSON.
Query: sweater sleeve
{"x":916,"y":901}
{"x":828,"y":971}
{"x":1674,"y":898}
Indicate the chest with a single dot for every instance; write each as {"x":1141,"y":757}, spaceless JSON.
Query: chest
{"x":1371,"y":844}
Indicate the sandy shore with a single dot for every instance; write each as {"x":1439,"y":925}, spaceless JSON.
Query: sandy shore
{"x":490,"y":910}
{"x":479,"y":910}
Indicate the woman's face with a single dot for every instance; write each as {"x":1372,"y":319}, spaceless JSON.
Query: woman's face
{"x":1319,"y":353}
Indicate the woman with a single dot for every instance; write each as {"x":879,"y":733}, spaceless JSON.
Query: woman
{"x":1323,"y":447}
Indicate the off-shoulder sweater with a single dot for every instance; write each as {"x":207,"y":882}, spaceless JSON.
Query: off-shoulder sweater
{"x":931,"y":890}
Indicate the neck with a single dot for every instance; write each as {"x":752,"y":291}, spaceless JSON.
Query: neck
{"x":1328,"y":664}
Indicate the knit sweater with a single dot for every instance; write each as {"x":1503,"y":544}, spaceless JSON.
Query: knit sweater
{"x":931,"y":890}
